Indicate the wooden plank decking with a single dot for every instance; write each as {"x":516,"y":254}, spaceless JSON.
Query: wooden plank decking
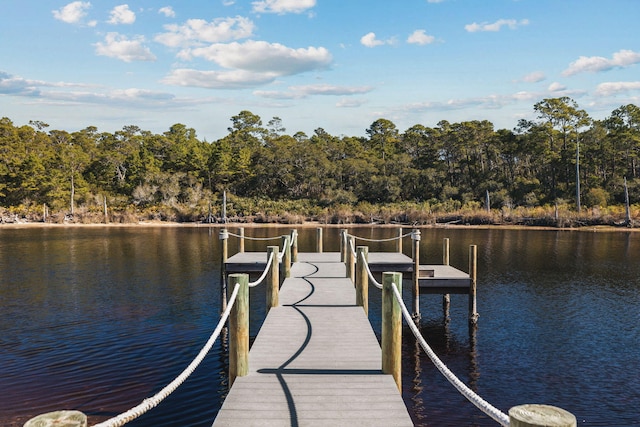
{"x":316,"y":360}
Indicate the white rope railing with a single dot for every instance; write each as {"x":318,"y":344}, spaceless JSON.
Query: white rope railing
{"x":390,"y":239}
{"x":264,"y":273}
{"x":153,"y":401}
{"x":281,"y":253}
{"x":469,"y":394}
{"x":373,"y":280}
{"x":262,"y":239}
{"x":351,"y":248}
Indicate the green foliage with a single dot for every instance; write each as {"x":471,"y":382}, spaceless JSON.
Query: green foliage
{"x":425,"y":171}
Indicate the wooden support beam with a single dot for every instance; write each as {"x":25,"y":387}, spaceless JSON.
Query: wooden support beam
{"x":239,"y":328}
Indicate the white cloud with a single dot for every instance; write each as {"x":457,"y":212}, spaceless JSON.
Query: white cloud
{"x":282,"y":6}
{"x":534,"y":77}
{"x":613,"y":88}
{"x":370,"y":40}
{"x":73,"y":12}
{"x":122,"y":15}
{"x":556,"y":87}
{"x":420,"y":37}
{"x":594,"y":64}
{"x":195,"y":32}
{"x":120,"y":47}
{"x":167,"y":11}
{"x":496,"y":26}
{"x":300,"y":92}
{"x":235,"y":79}
{"x":263,"y":57}
{"x":350,"y":103}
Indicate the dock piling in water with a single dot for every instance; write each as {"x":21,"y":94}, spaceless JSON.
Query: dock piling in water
{"x":239,"y":328}
{"x":362,"y":278}
{"x":392,"y":327}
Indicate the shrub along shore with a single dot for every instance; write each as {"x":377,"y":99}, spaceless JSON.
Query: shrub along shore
{"x":300,"y":212}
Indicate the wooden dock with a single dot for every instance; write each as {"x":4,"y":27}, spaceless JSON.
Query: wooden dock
{"x":316,"y":360}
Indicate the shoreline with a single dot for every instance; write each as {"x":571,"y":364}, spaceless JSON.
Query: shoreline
{"x":310,"y":224}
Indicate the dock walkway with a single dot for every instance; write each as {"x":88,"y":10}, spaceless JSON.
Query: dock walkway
{"x":316,"y":360}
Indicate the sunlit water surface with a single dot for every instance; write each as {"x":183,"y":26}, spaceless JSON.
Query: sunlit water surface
{"x":97,"y":319}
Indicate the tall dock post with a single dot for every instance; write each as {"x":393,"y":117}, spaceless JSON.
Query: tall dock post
{"x":446,"y":298}
{"x":362,"y":278}
{"x":415,"y":239}
{"x":224,"y":255}
{"x":319,"y":240}
{"x":350,"y":260}
{"x":399,"y":241}
{"x":273,"y":278}
{"x":343,"y":245}
{"x":473,"y":273}
{"x":294,"y":245}
{"x":392,"y":328}
{"x":286,"y":259}
{"x":239,"y":328}
{"x":241,"y":242}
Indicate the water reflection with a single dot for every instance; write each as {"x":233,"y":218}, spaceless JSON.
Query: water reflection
{"x":99,"y":318}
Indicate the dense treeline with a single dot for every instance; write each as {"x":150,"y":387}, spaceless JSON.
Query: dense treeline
{"x":562,"y":157}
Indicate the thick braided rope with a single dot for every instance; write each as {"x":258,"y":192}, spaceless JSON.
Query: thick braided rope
{"x":153,"y":401}
{"x":483,"y":405}
{"x":390,"y":239}
{"x":371,"y":278}
{"x":264,"y":273}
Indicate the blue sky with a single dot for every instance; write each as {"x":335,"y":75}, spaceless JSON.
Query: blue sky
{"x":332,"y":64}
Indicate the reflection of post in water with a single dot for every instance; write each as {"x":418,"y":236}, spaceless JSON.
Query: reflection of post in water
{"x":474,"y":369}
{"x":417,"y":387}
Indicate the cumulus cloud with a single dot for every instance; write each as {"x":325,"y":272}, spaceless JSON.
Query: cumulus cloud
{"x":370,"y":40}
{"x":235,"y":79}
{"x":614,"y":88}
{"x":594,"y":64}
{"x":121,"y":15}
{"x":73,"y":13}
{"x":420,"y":37}
{"x":264,"y":57}
{"x":196,"y":32}
{"x":127,"y":50}
{"x":556,"y":87}
{"x":496,"y":26}
{"x":534,"y":77}
{"x":282,"y":7}
{"x":167,"y":11}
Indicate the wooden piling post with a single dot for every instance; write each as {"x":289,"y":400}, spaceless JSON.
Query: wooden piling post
{"x":399,"y":241}
{"x":273,"y":278}
{"x":362,"y":278}
{"x":446,"y":298}
{"x":415,"y":239}
{"x":392,"y":328}
{"x":286,"y":259}
{"x":473,"y":272}
{"x":294,"y":245}
{"x":239,"y":328}
{"x":350,"y":260}
{"x":224,"y":255}
{"x":241,"y":242}
{"x":540,"y":416}
{"x":343,"y":245}
{"x":445,"y":251}
{"x":319,"y":240}
{"x":59,"y":418}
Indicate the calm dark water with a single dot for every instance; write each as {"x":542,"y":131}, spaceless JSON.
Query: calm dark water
{"x":97,"y":319}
